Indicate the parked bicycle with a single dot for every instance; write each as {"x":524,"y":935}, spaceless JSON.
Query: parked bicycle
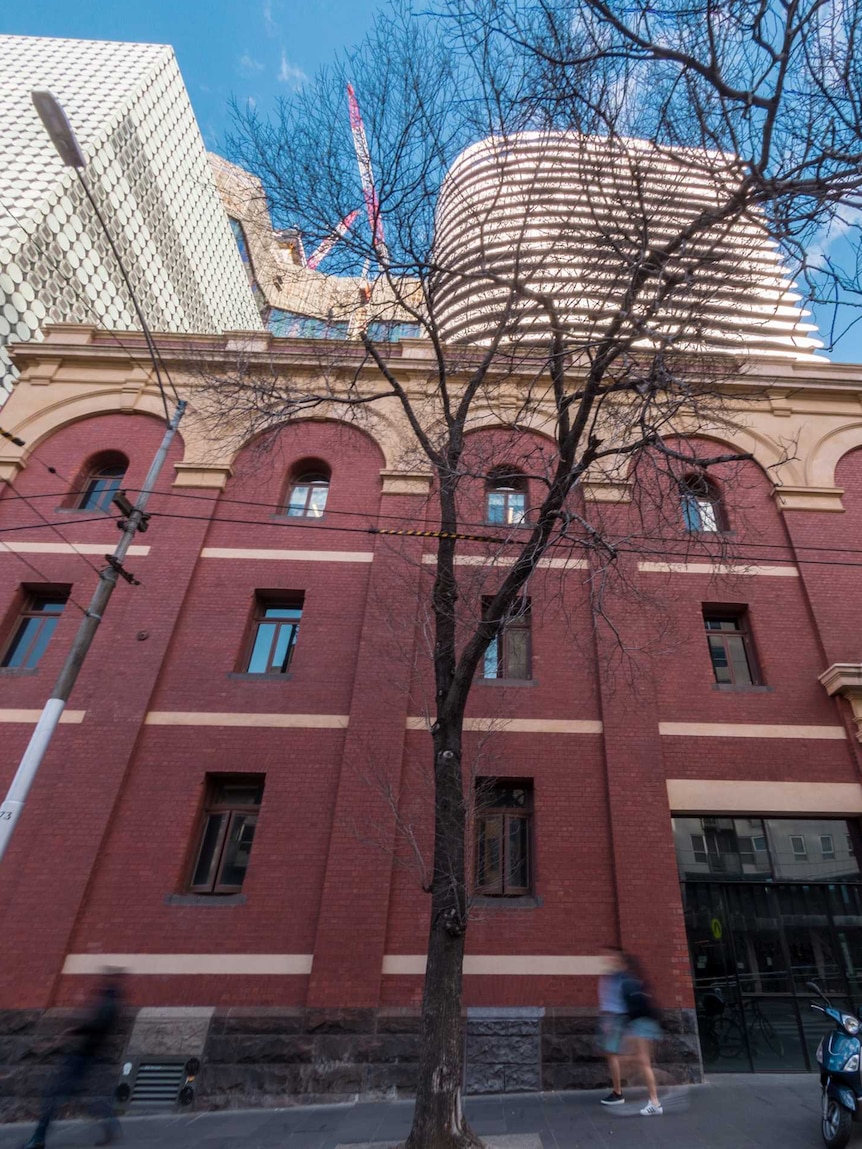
{"x":723,"y":1029}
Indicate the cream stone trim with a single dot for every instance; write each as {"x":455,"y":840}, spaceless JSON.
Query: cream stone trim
{"x":225,"y":718}
{"x":250,"y":965}
{"x":405,"y":482}
{"x":597,"y":491}
{"x":528,"y":965}
{"x":719,"y":569}
{"x":520,"y":725}
{"x":509,"y":561}
{"x":749,"y":730}
{"x":68,"y":717}
{"x":196,"y":475}
{"x":288,"y":556}
{"x":25,"y":548}
{"x":845,"y":678}
{"x":713,"y":796}
{"x":809,"y":499}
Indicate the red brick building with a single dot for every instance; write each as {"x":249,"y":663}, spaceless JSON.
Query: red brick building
{"x":216,"y":811}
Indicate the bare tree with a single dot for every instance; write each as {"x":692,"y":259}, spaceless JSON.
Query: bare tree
{"x":588,"y":216}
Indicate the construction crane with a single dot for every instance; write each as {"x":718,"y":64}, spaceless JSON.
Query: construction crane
{"x":331,"y":240}
{"x":367,"y":177}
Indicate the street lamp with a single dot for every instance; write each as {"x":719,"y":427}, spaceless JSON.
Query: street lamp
{"x":58,"y":127}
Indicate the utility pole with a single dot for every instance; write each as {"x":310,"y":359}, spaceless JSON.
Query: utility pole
{"x":136,"y":519}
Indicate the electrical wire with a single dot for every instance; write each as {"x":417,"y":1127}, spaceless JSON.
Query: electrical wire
{"x":50,"y":523}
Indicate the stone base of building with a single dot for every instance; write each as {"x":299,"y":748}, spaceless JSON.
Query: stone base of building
{"x":275,"y":1057}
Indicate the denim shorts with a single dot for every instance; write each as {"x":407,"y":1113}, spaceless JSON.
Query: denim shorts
{"x":613,"y":1030}
{"x":644,"y":1027}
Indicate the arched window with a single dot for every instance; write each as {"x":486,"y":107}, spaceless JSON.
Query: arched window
{"x":506,"y":498}
{"x":702,"y":508}
{"x":309,"y":492}
{"x":101,"y":481}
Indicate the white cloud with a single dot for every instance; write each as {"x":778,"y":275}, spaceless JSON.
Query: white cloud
{"x":289,"y":74}
{"x":269,"y":24}
{"x":248,"y":65}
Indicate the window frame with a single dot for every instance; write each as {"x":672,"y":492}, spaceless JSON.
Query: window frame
{"x":265,"y":600}
{"x":509,"y":483}
{"x":695,"y":503}
{"x":314,"y":479}
{"x":92,"y":474}
{"x":739,"y":614}
{"x":27,"y":612}
{"x":488,"y":812}
{"x":519,"y":623}
{"x":214,"y":808}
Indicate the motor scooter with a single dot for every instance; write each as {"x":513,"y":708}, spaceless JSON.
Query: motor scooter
{"x":838,"y":1056}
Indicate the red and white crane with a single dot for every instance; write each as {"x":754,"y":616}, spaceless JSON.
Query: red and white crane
{"x":331,"y":240}
{"x":366,"y":175}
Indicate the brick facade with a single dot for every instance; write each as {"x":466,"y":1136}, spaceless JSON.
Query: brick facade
{"x":100,"y":861}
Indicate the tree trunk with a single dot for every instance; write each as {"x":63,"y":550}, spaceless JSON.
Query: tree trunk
{"x":438,"y":1119}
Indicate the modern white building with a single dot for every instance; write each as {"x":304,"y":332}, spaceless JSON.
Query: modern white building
{"x":148,"y":171}
{"x":568,"y":217}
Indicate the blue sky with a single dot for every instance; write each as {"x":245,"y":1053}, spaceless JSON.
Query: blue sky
{"x":251,"y":49}
{"x":243,"y":48}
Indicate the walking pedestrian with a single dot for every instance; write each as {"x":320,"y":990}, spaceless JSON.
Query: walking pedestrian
{"x":642,"y":1028}
{"x":613,"y":1018}
{"x":77,"y":1066}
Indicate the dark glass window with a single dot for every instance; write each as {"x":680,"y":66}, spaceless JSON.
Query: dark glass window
{"x":504,"y":814}
{"x":100,"y":486}
{"x":730,"y":646}
{"x":275,"y":628}
{"x":702,"y":507}
{"x":35,"y":625}
{"x":308,"y":495}
{"x":230,"y":818}
{"x":509,"y":654}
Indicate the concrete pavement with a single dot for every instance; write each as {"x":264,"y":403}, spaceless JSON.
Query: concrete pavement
{"x":729,"y":1112}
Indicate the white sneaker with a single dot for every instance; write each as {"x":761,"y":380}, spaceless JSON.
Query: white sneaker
{"x":650,"y":1110}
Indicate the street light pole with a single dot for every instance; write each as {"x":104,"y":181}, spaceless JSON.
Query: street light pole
{"x":63,"y":137}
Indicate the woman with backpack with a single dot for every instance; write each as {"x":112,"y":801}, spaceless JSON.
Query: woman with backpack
{"x":642,"y":1029}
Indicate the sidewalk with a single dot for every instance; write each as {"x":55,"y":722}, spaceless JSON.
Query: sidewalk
{"x":730,"y":1112}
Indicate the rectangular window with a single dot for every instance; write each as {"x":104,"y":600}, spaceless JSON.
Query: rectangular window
{"x":504,"y":813}
{"x":730,"y":646}
{"x":509,"y":654}
{"x":797,"y":845}
{"x":230,"y":817}
{"x":827,"y":847}
{"x":34,"y":627}
{"x":698,"y":849}
{"x":274,"y":630}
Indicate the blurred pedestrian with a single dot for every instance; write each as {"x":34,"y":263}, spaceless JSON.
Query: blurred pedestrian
{"x":92,"y":1036}
{"x":642,"y":1028}
{"x":613,"y":1018}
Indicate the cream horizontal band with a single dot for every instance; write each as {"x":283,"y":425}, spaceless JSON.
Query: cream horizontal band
{"x":508,"y":561}
{"x":521,"y":725}
{"x":528,"y":965}
{"x":225,"y":718}
{"x":705,"y":796}
{"x":249,"y":965}
{"x":31,"y":717}
{"x":25,"y":548}
{"x":749,"y":730}
{"x":720,"y":569}
{"x":288,"y":556}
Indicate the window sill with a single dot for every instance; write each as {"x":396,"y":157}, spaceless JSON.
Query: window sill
{"x":282,"y":518}
{"x":84,"y":511}
{"x":246,"y":675}
{"x":492,"y":902}
{"x":205,"y":899}
{"x":730,"y":688}
{"x":18,"y":671}
{"x":507,"y":682}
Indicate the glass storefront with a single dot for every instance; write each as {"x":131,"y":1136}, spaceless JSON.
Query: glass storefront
{"x":769,"y":904}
